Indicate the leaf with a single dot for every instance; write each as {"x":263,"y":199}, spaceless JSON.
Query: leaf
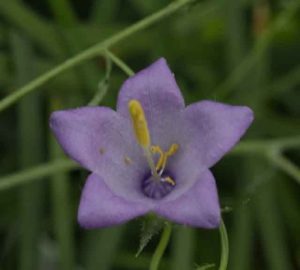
{"x":151,"y":226}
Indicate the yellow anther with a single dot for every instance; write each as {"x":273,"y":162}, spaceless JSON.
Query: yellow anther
{"x":163,"y":158}
{"x":169,"y":180}
{"x":139,"y":123}
{"x":172,"y":150}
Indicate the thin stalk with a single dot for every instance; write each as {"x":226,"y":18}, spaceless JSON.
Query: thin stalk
{"x":62,"y":215}
{"x":93,"y":51}
{"x":102,"y":85}
{"x":29,"y":138}
{"x":264,"y":146}
{"x":37,"y":173}
{"x":242,"y":243}
{"x":284,"y":83}
{"x":242,"y":236}
{"x":183,"y":248}
{"x":285,"y":165}
{"x":149,"y":158}
{"x":224,"y":247}
{"x":120,"y":63}
{"x":164,"y":240}
{"x":271,"y":226}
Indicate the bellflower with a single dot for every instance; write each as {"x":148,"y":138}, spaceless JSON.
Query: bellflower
{"x":152,"y":154}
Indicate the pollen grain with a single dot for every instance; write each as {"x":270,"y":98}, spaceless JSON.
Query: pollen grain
{"x":128,"y":160}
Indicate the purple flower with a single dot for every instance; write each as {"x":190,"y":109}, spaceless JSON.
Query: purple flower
{"x":152,"y":154}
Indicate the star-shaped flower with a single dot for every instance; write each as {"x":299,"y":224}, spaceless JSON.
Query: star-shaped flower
{"x":152,"y":154}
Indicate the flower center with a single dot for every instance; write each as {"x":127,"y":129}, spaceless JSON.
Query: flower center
{"x":158,"y":183}
{"x":157,"y":189}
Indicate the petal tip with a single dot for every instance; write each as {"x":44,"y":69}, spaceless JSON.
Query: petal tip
{"x":248,"y":111}
{"x":83,"y":223}
{"x":214,"y":221}
{"x":161,"y":61}
{"x":52,"y":118}
{"x":161,"y":64}
{"x":55,"y":120}
{"x":248,"y":115}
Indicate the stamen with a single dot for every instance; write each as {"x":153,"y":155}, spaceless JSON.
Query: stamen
{"x":141,"y":131}
{"x":169,"y":180}
{"x":140,"y":127}
{"x":172,"y":150}
{"x":162,"y":161}
{"x":156,"y":149}
{"x":151,"y":162}
{"x":139,"y":123}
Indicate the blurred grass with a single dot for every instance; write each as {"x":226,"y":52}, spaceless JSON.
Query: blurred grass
{"x":183,"y":248}
{"x":215,"y":53}
{"x":62,"y":212}
{"x":30,"y":145}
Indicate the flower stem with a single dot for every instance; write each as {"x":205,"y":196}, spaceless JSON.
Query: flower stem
{"x":264,"y":146}
{"x":93,"y":51}
{"x":286,"y":165}
{"x":164,"y":240}
{"x":224,"y":247}
{"x":36,"y":173}
{"x":102,"y":85}
{"x":120,"y":63}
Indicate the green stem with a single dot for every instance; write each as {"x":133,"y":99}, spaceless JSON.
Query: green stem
{"x":61,"y":211}
{"x":264,"y":146}
{"x":36,"y":173}
{"x":120,"y":63}
{"x":93,"y":51}
{"x":183,"y":248}
{"x":271,"y":225}
{"x":285,"y":165}
{"x":30,"y":137}
{"x":224,"y":247}
{"x":164,"y":240}
{"x":102,"y":85}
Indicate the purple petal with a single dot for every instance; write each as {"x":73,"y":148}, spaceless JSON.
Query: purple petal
{"x":99,"y":207}
{"x":155,"y":87}
{"x":103,"y":142}
{"x":212,"y":129}
{"x":205,"y":131}
{"x":198,"y":207}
